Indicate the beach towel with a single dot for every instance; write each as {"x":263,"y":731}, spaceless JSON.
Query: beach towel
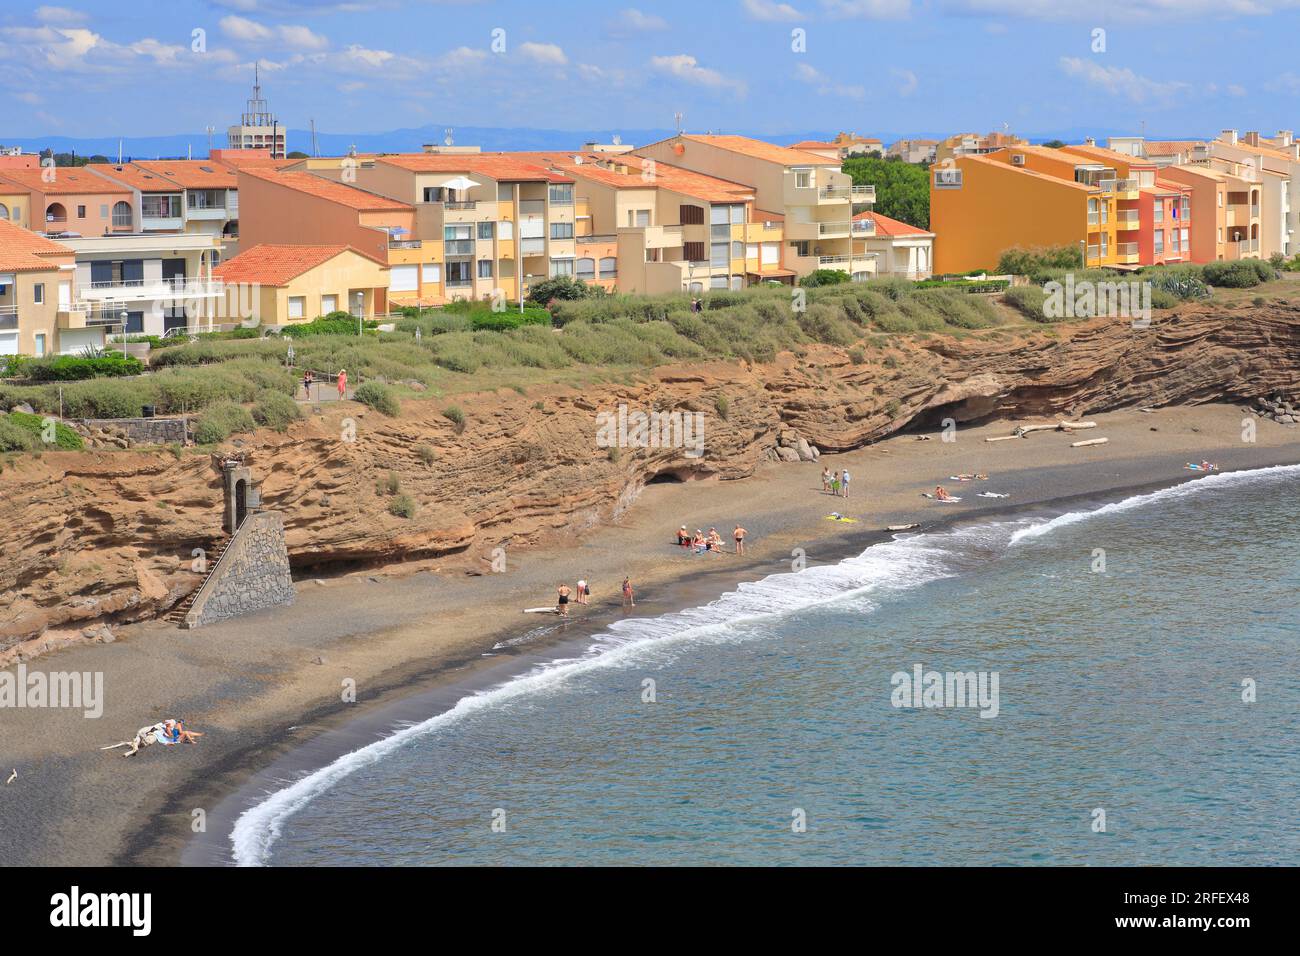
{"x":991,"y":494}
{"x":942,"y":501}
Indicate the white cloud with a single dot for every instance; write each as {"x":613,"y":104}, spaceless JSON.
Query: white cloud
{"x":771,"y":11}
{"x":907,"y":81}
{"x":869,"y":9}
{"x":294,"y":36}
{"x":1122,"y":81}
{"x":461,"y":57}
{"x":1235,"y":89}
{"x":1287,"y":82}
{"x":633,"y":20}
{"x":547,"y":54}
{"x":59,"y":15}
{"x":826,"y":86}
{"x":371,"y":58}
{"x":686,"y":68}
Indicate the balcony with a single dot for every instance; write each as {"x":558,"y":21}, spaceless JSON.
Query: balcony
{"x":1126,"y":253}
{"x":1127,"y":219}
{"x":1126,"y":189}
{"x":137,"y":290}
{"x":458,"y":247}
{"x":663,"y":237}
{"x":863,"y":228}
{"x":532,"y":247}
{"x":405,"y":243}
{"x":8,"y":318}
{"x":835,"y":192}
{"x":833,"y":230}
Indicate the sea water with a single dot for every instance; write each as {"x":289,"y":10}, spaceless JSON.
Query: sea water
{"x":1147,"y":662}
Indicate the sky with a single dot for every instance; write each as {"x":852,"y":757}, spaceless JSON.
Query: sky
{"x":883,"y":68}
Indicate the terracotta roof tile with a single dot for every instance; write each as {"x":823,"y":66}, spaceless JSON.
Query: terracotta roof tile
{"x":503,"y":167}
{"x":891,"y":227}
{"x":276,"y":265}
{"x":25,"y":251}
{"x":341,"y":193}
{"x":757,"y":149}
{"x":129,"y":174}
{"x":67,"y":181}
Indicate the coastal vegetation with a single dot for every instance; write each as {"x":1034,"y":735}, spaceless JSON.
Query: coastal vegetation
{"x":902,"y":188}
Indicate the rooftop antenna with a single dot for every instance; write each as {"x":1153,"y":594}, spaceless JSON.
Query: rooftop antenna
{"x":448,"y":138}
{"x":314,"y":150}
{"x":119,"y":152}
{"x":677,"y":119}
{"x":210,"y":130}
{"x":616,"y":140}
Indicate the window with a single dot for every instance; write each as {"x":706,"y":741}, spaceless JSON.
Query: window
{"x":1220,"y":239}
{"x":103,"y":212}
{"x":328,"y":304}
{"x":561,"y":267}
{"x":450,"y":233}
{"x":561,"y":195}
{"x":38,"y":293}
{"x":1105,"y":212}
{"x":297,"y":306}
{"x":609,"y":267}
{"x":485,"y":268}
{"x":4,"y":211}
{"x":737,"y":250}
{"x":458,"y":273}
{"x":1173,"y":240}
{"x":771,"y":254}
{"x":803,"y":178}
{"x":122,"y":215}
{"x":505,"y":229}
{"x":81,"y":212}
{"x":561,"y":230}
{"x":1184,"y":234}
{"x":505,"y":192}
{"x":686,"y":215}
{"x":800,"y":247}
{"x":403,"y":279}
{"x":642,"y":218}
{"x":433,"y":194}
{"x":40,"y":344}
{"x":586,"y":268}
{"x":431,"y":272}
{"x":1105,"y":242}
{"x":693,"y":251}
{"x":160,"y":207}
{"x":1159,"y":246}
{"x":718,"y":282}
{"x":720,"y":255}
{"x":485,"y":230}
{"x":1158,"y":210}
{"x":751,"y":251}
{"x":1220,"y":200}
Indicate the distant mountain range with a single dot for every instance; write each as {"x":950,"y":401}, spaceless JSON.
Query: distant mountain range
{"x":489,"y":138}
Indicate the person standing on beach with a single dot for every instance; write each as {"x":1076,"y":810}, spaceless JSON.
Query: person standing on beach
{"x":582,"y":592}
{"x":844,"y":482}
{"x":739,"y":535}
{"x":826,"y":481}
{"x":835,"y":484}
{"x":343,"y":384}
{"x":563,"y":604}
{"x":628,"y":599}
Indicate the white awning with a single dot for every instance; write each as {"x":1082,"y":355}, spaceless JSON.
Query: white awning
{"x":460,"y":182}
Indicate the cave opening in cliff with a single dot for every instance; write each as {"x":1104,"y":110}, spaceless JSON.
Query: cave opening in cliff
{"x":670,"y":477}
{"x":972,"y":411}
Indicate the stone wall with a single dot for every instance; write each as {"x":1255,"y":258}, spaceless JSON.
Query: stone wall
{"x":252,"y":575}
{"x":144,"y":431}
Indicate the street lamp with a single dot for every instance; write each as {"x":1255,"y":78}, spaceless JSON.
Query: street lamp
{"x":125,"y":317}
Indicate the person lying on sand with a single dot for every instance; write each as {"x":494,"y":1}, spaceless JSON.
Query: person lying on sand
{"x":181,"y":735}
{"x":976,"y":477}
{"x":940,"y":494}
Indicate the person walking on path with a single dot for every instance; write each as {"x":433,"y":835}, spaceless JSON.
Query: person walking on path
{"x":844,"y":482}
{"x":306,"y":383}
{"x":343,"y":384}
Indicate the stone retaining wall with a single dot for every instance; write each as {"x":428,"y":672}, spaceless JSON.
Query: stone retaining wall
{"x":252,"y":575}
{"x":144,"y":431}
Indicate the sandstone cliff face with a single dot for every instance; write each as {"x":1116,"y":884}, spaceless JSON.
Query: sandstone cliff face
{"x":98,"y":535}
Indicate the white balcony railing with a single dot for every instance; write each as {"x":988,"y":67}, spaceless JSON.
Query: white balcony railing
{"x":833,"y":228}
{"x":864,"y":227}
{"x":135,"y":289}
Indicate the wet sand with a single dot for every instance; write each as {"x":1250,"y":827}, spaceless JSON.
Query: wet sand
{"x":267,"y":689}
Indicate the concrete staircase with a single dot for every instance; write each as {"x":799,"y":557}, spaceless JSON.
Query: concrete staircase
{"x":182,"y":608}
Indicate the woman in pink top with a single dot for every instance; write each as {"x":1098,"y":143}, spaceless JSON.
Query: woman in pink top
{"x":343,"y":383}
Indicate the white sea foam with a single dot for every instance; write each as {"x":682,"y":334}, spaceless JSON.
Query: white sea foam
{"x":908,"y":561}
{"x":1199,"y":486}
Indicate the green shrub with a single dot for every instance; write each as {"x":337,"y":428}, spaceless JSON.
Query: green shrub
{"x":1029,"y":262}
{"x":1239,"y":274}
{"x":456,"y":417}
{"x":723,"y":406}
{"x":379,"y":397}
{"x":336,"y":323}
{"x":857,"y":356}
{"x":73,"y":368}
{"x":562,"y":288}
{"x":821,"y":277}
{"x":426,"y":454}
{"x":403,"y":506}
{"x":1183,"y":282}
{"x":16,"y":437}
{"x":220,"y":421}
{"x":275,"y":410}
{"x":1028,"y":300}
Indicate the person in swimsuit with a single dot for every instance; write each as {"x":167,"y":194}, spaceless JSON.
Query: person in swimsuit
{"x":940,"y":494}
{"x":563,"y":604}
{"x":683,"y":537}
{"x":826,"y":481}
{"x":306,"y":383}
{"x":582,"y":592}
{"x":739,"y":536}
{"x":628,"y":600}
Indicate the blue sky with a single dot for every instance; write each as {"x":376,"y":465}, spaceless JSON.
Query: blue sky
{"x":878,"y":67}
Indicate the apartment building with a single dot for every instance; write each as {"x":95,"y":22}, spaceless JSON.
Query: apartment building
{"x":180,"y":196}
{"x":147,"y":283}
{"x":297,"y":283}
{"x":37,"y":288}
{"x":982,"y":206}
{"x":919,"y":151}
{"x":69,"y":199}
{"x":503,"y":222}
{"x":15,"y":205}
{"x":1277,"y":163}
{"x":902,"y":250}
{"x":257,"y":128}
{"x":973,"y":144}
{"x":1209,"y":198}
{"x":672,"y":229}
{"x":814,"y":197}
